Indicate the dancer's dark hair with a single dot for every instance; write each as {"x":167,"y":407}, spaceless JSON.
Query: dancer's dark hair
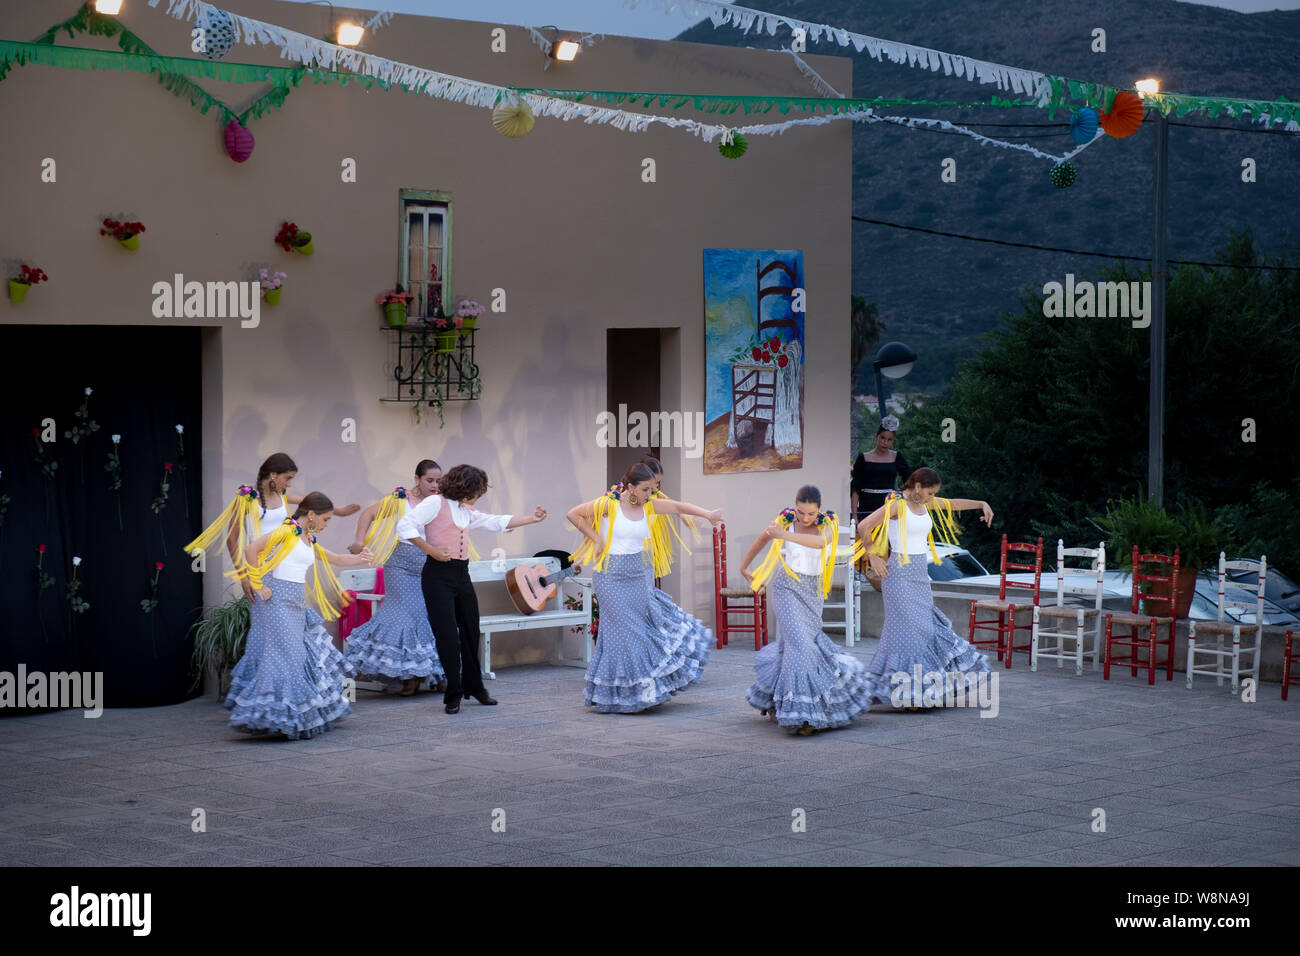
{"x":808,"y":495}
{"x":923,"y":478}
{"x":653,"y":464}
{"x":638,"y":473}
{"x":316,"y":501}
{"x":463,"y":482}
{"x":278,"y":464}
{"x":426,"y":466}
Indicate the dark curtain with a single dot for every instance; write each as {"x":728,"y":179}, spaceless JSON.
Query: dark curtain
{"x":145,"y":381}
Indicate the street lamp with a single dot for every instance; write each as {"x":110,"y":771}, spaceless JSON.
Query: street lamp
{"x":894,"y":360}
{"x":1160,"y":188}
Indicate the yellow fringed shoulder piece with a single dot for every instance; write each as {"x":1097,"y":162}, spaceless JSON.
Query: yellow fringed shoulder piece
{"x":326,"y":592}
{"x":234,"y":516}
{"x":941,"y":515}
{"x":674,"y":520}
{"x":658,"y":542}
{"x":830,"y":541}
{"x":585,"y":553}
{"x":381,"y":539}
{"x":277,"y":548}
{"x":880,"y":533}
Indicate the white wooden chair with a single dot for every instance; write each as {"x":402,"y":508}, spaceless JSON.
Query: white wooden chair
{"x":851,"y":623}
{"x":1222,"y":627}
{"x":1061,"y":622}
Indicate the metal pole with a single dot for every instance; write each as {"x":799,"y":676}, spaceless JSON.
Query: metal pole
{"x":880,"y":391}
{"x":1156,"y":434}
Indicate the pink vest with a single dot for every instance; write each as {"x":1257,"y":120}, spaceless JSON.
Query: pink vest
{"x":442,"y":532}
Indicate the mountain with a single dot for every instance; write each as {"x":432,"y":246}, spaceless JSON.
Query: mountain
{"x":939,"y":294}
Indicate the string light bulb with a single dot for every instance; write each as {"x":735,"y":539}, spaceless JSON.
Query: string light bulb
{"x":350,"y":34}
{"x":109,"y":7}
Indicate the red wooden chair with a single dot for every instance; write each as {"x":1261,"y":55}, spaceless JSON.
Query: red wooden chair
{"x":1154,"y":625}
{"x":1289,"y":657}
{"x":1004,"y":627}
{"x":729,"y":601}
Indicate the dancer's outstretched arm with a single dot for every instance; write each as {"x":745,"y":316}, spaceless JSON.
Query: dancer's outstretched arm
{"x":516,"y":521}
{"x":363,"y":526}
{"x":667,"y":506}
{"x":968,"y":504}
{"x":583,"y":518}
{"x":365,"y":557}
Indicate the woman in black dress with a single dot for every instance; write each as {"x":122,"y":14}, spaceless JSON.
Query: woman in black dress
{"x":874,"y":471}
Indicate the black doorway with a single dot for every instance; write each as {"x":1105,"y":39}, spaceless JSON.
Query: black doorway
{"x":145,"y":381}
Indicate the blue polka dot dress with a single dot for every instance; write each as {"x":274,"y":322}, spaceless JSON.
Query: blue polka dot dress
{"x":804,"y":677}
{"x":647,"y":648}
{"x":397,"y":642}
{"x":916,"y":634}
{"x":290,"y":679}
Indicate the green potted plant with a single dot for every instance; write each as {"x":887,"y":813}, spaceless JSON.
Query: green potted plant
{"x":219,"y":640}
{"x":467,"y":314}
{"x":272,"y":284}
{"x":292,"y":239}
{"x":1153,"y":530}
{"x":20,"y":285}
{"x":395,"y":304}
{"x":127,"y":233}
{"x":444,"y":339}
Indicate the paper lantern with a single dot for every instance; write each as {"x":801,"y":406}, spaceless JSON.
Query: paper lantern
{"x":735,"y":149}
{"x":1125,"y":115}
{"x":1083,"y":125}
{"x":1063,"y":175}
{"x":239,"y":141}
{"x":218,"y":32}
{"x":513,"y":119}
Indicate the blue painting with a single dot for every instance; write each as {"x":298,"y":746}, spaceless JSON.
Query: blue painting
{"x":753,"y":353}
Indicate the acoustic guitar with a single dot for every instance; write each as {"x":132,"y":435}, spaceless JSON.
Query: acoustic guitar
{"x":531,"y":587}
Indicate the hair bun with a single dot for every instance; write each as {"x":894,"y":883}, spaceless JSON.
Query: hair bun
{"x":889,"y":423}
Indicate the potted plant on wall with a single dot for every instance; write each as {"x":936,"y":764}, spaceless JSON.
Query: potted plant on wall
{"x":444,"y":339}
{"x":20,"y":285}
{"x":467,"y":314}
{"x":219,"y":640}
{"x":127,"y":233}
{"x":272,"y":284}
{"x":292,"y":239}
{"x":395,"y":304}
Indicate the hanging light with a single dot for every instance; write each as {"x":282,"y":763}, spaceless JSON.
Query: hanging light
{"x":565,"y":50}
{"x":110,"y":7}
{"x":1149,"y":85}
{"x":350,"y":34}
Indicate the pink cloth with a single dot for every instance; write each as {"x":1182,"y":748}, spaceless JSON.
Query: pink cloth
{"x":358,"y":612}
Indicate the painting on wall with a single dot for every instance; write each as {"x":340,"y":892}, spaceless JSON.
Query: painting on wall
{"x":753,"y":348}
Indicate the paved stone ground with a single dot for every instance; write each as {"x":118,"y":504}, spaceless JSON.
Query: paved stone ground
{"x":1184,"y":778}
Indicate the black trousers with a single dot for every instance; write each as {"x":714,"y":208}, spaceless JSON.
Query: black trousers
{"x":452,"y":607}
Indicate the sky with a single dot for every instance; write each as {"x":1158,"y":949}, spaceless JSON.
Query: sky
{"x":613,"y":16}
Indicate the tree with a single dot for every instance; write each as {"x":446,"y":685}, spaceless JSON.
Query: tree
{"x":1050,"y":420}
{"x":867,"y":330}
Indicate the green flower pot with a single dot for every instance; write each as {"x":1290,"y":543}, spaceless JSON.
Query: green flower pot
{"x":395,"y":313}
{"x":444,"y":342}
{"x":272,"y":296}
{"x":306,"y":248}
{"x":468,"y":324}
{"x":132,"y":243}
{"x":18,"y":290}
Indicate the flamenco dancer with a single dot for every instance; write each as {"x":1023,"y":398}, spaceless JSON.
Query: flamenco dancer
{"x":804,"y":682}
{"x":915,"y":632}
{"x":289,"y":681}
{"x":397,"y":643}
{"x":649,"y":648}
{"x":439,"y":526}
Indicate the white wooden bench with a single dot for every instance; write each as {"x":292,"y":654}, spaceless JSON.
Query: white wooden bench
{"x":555,"y":614}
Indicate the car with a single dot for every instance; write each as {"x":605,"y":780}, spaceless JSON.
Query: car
{"x":954,"y":563}
{"x":1117,"y":585}
{"x":1278,"y":588}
